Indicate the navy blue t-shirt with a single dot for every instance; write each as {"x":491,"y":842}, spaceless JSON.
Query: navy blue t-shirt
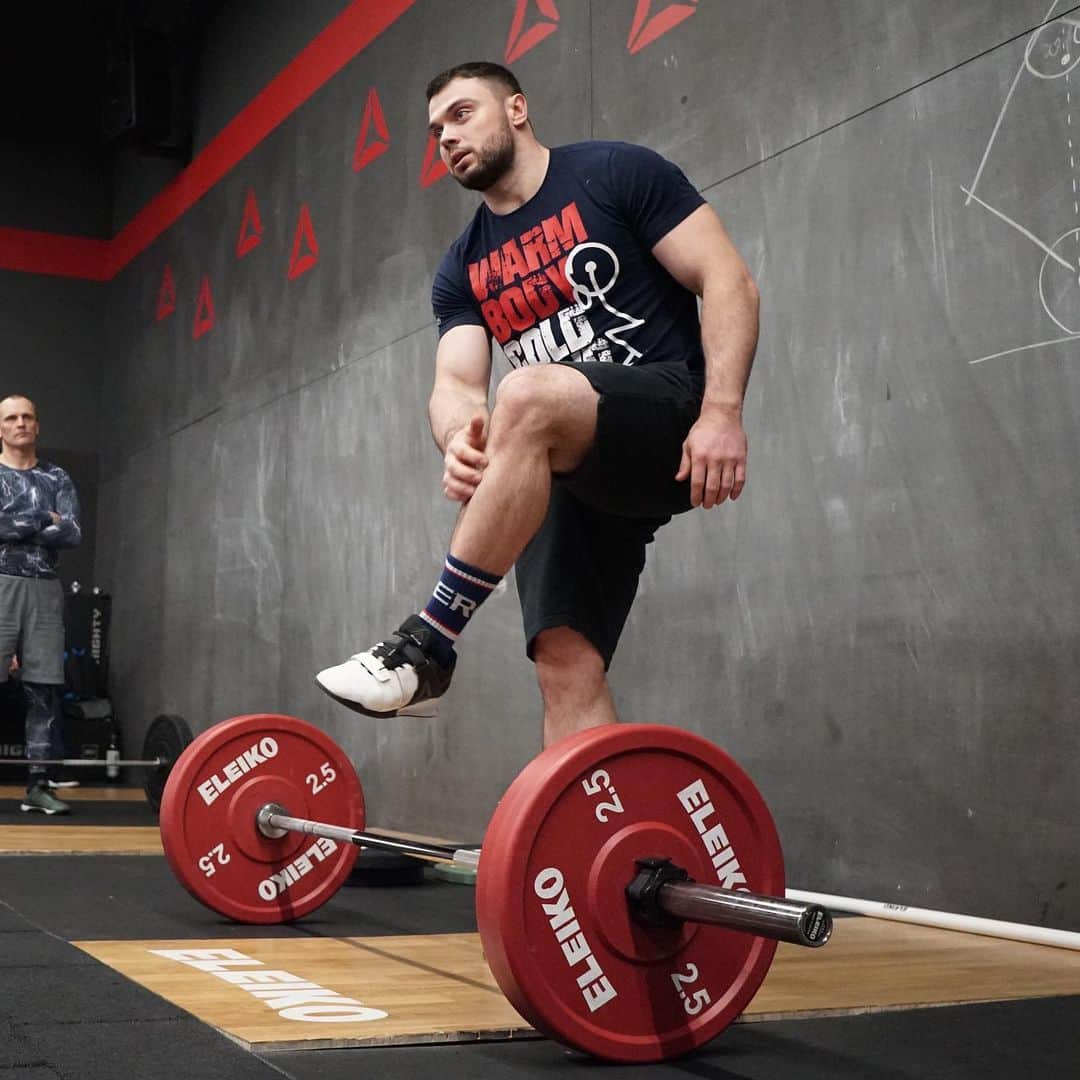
{"x":570,"y":275}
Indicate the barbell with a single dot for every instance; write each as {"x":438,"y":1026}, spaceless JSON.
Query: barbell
{"x":629,"y":894}
{"x":165,"y":740}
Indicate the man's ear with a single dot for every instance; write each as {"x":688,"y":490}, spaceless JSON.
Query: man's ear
{"x":517,"y":110}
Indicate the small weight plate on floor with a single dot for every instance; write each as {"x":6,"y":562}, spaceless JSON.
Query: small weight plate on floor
{"x":376,"y":868}
{"x":456,"y":875}
{"x":208,"y":817}
{"x":551,"y":906}
{"x":166,"y":738}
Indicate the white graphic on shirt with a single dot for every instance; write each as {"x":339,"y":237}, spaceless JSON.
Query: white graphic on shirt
{"x":591,"y":270}
{"x":598,"y":259}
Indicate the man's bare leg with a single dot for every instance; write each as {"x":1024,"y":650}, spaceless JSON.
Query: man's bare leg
{"x":544,"y":422}
{"x":573,"y":683}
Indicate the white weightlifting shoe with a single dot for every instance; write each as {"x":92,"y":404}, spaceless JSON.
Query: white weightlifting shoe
{"x":391,"y":675}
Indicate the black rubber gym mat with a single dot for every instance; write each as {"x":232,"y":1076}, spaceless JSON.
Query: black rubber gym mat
{"x":63,"y":1015}
{"x":136,"y":897}
{"x":1032,"y":1039}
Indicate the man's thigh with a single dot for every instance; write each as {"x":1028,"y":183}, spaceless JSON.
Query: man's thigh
{"x":643,"y":417}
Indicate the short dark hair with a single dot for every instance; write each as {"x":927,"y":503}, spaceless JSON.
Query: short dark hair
{"x":476,"y":69}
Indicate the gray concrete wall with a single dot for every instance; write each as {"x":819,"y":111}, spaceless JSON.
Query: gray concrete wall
{"x":883,"y":630}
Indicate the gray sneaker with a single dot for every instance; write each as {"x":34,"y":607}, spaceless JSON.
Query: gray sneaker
{"x":44,"y":801}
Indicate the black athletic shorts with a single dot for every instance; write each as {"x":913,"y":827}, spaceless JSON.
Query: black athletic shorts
{"x":581,"y":569}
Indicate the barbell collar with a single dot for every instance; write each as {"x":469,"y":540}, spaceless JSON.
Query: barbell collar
{"x":766,"y":916}
{"x":273,"y":821}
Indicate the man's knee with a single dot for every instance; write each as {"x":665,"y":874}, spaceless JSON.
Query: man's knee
{"x":549,"y":404}
{"x":546,"y":395}
{"x":522,"y":402}
{"x":568,"y":666}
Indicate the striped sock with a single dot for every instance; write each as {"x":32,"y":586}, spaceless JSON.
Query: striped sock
{"x":458,"y":593}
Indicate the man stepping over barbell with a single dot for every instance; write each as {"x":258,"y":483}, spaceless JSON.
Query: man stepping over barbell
{"x":584,"y":263}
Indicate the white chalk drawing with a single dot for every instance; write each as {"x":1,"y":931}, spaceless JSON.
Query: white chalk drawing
{"x":1054,"y":50}
{"x":1051,"y":54}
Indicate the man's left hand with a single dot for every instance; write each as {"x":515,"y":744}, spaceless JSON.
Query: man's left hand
{"x":714,"y":457}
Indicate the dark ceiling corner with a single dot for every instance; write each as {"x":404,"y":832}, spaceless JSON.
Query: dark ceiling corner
{"x":59,"y":79}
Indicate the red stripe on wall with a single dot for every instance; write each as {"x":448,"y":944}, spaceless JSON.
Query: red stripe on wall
{"x":353,"y":30}
{"x":61,"y":256}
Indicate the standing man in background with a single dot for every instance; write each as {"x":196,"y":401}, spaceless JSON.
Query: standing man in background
{"x":39,"y":515}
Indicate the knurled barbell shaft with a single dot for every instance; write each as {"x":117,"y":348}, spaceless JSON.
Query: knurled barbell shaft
{"x":73,"y":763}
{"x":273,"y":821}
{"x":766,"y":916}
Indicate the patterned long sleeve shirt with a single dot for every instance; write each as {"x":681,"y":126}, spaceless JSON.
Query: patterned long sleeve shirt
{"x":30,"y":541}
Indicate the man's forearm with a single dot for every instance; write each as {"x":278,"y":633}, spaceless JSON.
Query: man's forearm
{"x":65,"y":533}
{"x":729,"y":334}
{"x":23,"y":526}
{"x":450,"y":411}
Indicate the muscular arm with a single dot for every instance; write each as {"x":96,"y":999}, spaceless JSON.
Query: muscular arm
{"x":699,"y":254}
{"x":458,"y":410}
{"x":462,"y":374}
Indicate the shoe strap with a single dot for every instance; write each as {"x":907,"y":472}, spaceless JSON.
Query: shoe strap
{"x":406,"y":650}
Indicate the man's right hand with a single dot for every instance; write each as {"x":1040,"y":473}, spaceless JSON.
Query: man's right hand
{"x":465,"y":461}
